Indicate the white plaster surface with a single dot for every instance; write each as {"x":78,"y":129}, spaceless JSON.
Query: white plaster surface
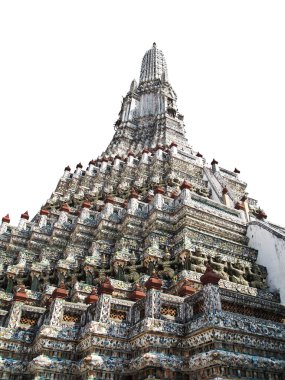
{"x":271,"y":254}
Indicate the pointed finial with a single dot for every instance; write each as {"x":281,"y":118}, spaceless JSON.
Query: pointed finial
{"x":92,"y":297}
{"x":154,"y":45}
{"x":106,"y":287}
{"x":186,"y":185}
{"x":65,"y":208}
{"x":210,"y":277}
{"x":86,"y":204}
{"x":25,"y":215}
{"x":6,"y":219}
{"x":154,"y":282}
{"x":137,"y":293}
{"x":20,"y":295}
{"x":44,"y":212}
{"x":60,"y":291}
{"x":133,"y":194}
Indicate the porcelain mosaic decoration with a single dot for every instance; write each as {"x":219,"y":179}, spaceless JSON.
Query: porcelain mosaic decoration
{"x":148,"y":264}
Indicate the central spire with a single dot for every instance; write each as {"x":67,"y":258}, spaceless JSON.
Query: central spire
{"x":153,"y":65}
{"x":149,"y":115}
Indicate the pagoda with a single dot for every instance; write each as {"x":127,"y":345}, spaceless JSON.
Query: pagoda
{"x":148,"y":264}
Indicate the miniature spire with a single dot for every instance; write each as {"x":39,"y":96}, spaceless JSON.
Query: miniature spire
{"x":65,"y":208}
{"x":154,"y":282}
{"x":86,"y":204}
{"x":137,"y":293}
{"x":186,"y":289}
{"x":6,"y":219}
{"x":20,"y":295}
{"x":60,"y":291}
{"x":92,"y":297}
{"x":210,"y":277}
{"x":186,"y":185}
{"x":25,"y":215}
{"x":66,"y":172}
{"x":106,"y":287}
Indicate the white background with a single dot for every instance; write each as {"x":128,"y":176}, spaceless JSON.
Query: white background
{"x":65,"y":65}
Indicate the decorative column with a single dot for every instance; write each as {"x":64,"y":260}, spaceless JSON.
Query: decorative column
{"x":137,"y":294}
{"x":85,"y":211}
{"x":215,"y":166}
{"x":133,"y":202}
{"x":153,"y":299}
{"x":158,"y":152}
{"x":23,"y":221}
{"x":158,"y":198}
{"x":130,"y":160}
{"x":104,"y":303}
{"x":117,"y":161}
{"x":226,"y":197}
{"x":242,"y":205}
{"x":4,"y":225}
{"x":260,"y":214}
{"x":199,"y":158}
{"x":78,"y":170}
{"x":91,"y":300}
{"x":20,"y":297}
{"x":64,"y":211}
{"x":145,"y":154}
{"x":66,"y":172}
{"x":244,"y":199}
{"x":56,"y":308}
{"x":92,"y":297}
{"x":173,"y":148}
{"x":103,"y":166}
{"x":43,"y":218}
{"x":109,"y":208}
{"x":186,"y":193}
{"x":211,"y":294}
{"x":186,"y":289}
{"x":91,"y":167}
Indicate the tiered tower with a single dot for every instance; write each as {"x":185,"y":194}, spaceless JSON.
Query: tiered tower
{"x":144,"y":265}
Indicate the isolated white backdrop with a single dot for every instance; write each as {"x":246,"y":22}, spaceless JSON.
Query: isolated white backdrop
{"x":65,"y":65}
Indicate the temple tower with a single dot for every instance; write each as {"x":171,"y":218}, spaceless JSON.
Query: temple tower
{"x":149,"y":115}
{"x":149,"y":263}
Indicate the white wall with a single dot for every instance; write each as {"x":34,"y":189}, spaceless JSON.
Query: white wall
{"x":271,"y":253}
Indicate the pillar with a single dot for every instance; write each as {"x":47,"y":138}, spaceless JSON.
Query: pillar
{"x":4,"y":225}
{"x":153,"y":297}
{"x":211,"y":294}
{"x":185,"y":195}
{"x":103,"y":306}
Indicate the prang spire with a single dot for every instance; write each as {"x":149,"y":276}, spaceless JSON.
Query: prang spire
{"x":153,"y":65}
{"x":149,"y":115}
